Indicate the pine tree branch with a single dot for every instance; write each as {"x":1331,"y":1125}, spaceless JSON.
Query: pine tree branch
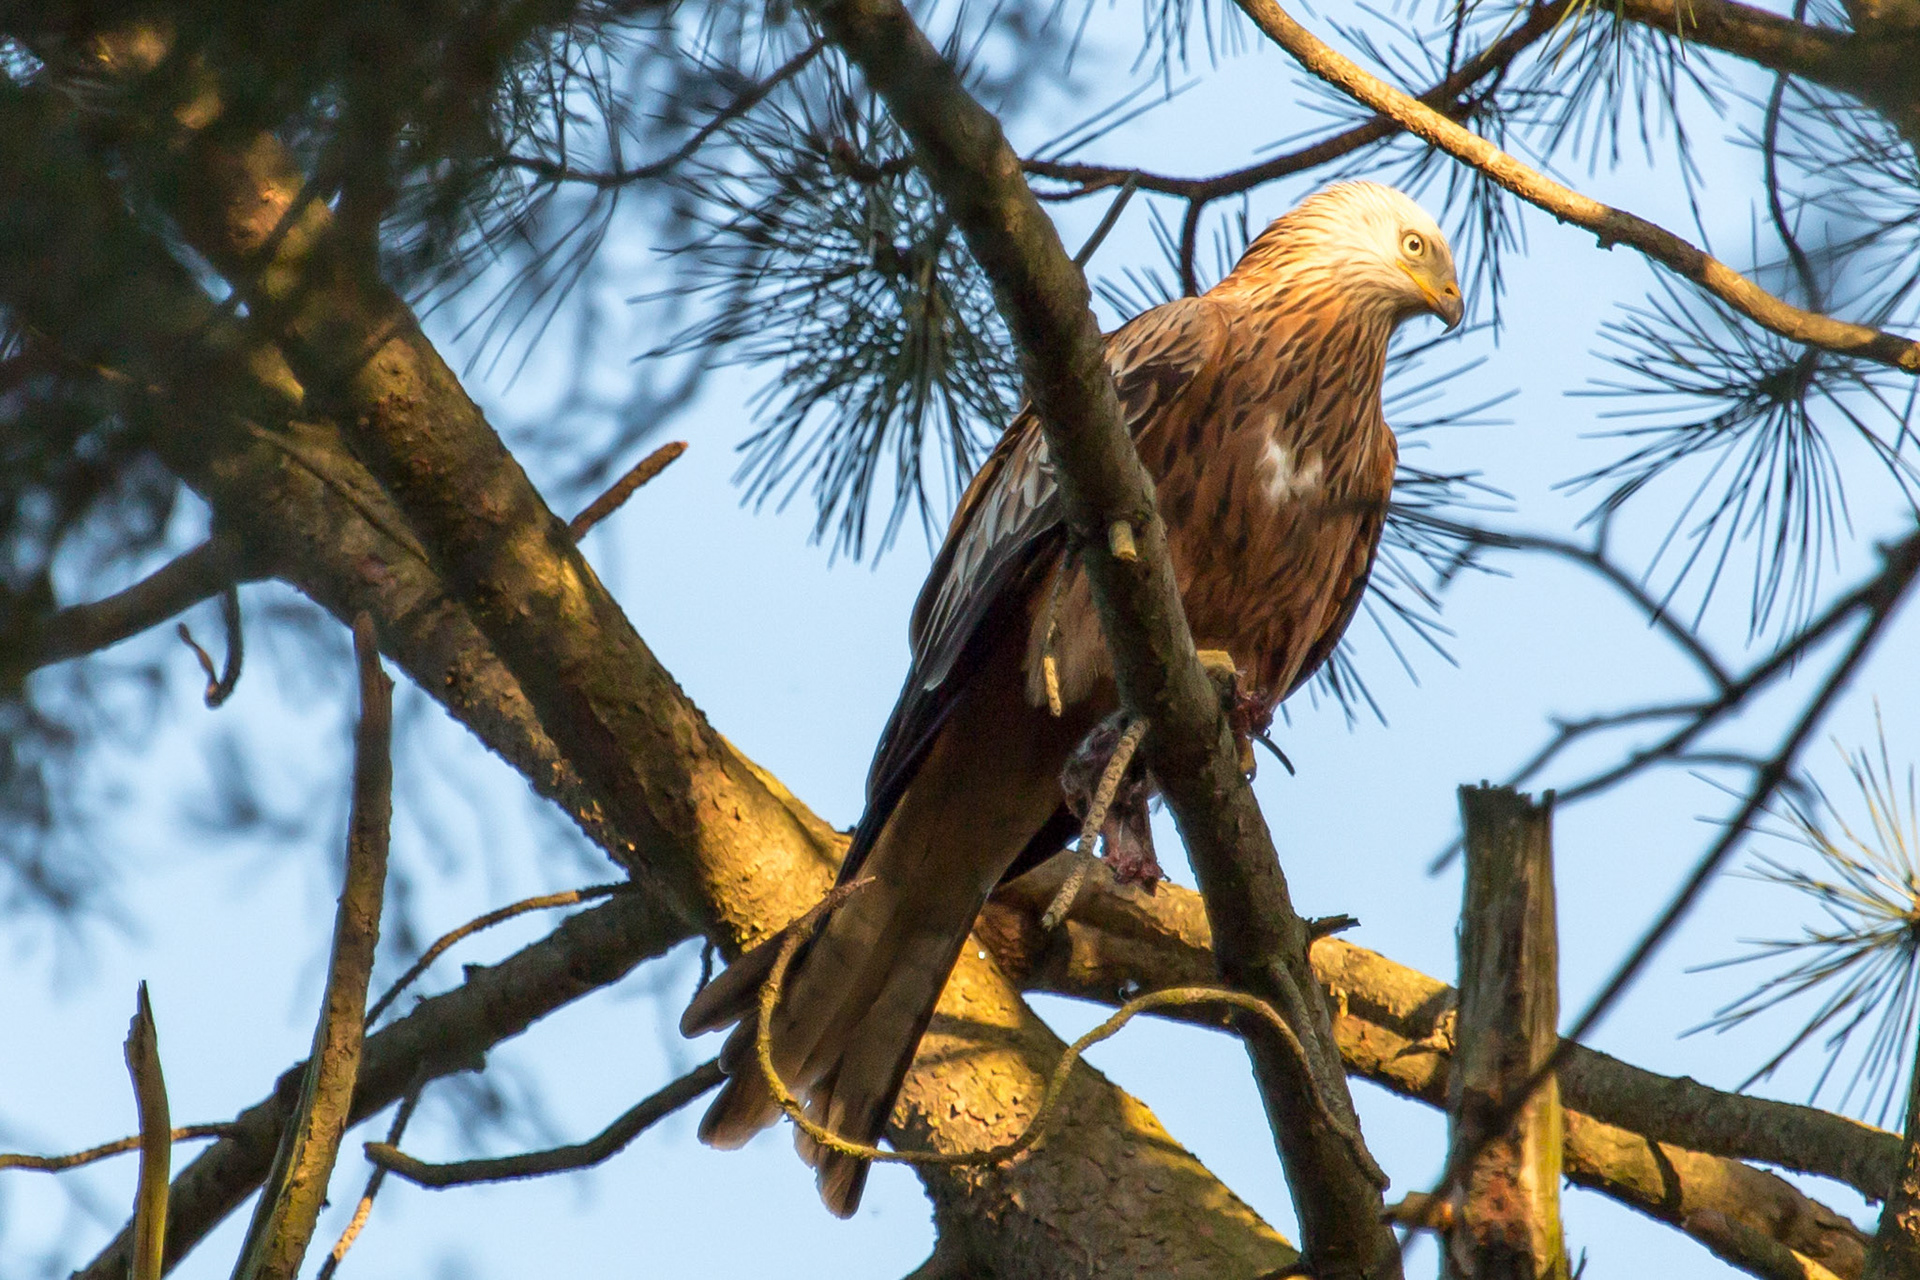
{"x":1612,"y":226}
{"x":1881,"y":69}
{"x":1668,"y":1147}
{"x":745,"y":852}
{"x":442,"y":1035}
{"x":1104,"y":491}
{"x":178,"y":585}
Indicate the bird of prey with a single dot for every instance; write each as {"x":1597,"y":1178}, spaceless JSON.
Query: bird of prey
{"x":1256,"y":408}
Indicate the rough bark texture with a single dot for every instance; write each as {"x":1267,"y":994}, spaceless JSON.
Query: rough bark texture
{"x":1896,"y":1246}
{"x":1506,"y":1224}
{"x":1395,"y":1027}
{"x":1044,"y":298}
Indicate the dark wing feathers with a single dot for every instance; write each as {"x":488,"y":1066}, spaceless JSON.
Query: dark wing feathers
{"x":1005,"y":536}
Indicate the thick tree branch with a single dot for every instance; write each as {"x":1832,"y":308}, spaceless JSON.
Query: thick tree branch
{"x":1643,"y":1139}
{"x":1109,"y":1181}
{"x":1044,"y":298}
{"x":1881,"y":69}
{"x":1612,"y":226}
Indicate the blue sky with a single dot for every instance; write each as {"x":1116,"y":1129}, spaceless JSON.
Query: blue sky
{"x":796,"y":659}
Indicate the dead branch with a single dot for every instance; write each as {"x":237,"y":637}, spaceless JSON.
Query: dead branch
{"x":1612,"y":226}
{"x":443,"y":1034}
{"x":441,"y":945}
{"x":402,"y":1115}
{"x":119,"y":1146}
{"x":156,"y":1142}
{"x":609,"y":1142}
{"x":1628,"y":1130}
{"x":222,"y":682}
{"x":178,"y":585}
{"x":295,"y":1190}
{"x":625,"y":487}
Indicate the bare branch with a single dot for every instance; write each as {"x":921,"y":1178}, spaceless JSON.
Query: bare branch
{"x":402,"y":1115}
{"x":176,"y":586}
{"x":156,"y":1143}
{"x":623,"y":488}
{"x":220,"y":683}
{"x":542,"y":902}
{"x":290,"y":1202}
{"x":1629,"y":1138}
{"x":1612,"y":226}
{"x":442,"y":1035}
{"x":581,"y":1155}
{"x":119,"y":1146}
{"x":1445,"y":96}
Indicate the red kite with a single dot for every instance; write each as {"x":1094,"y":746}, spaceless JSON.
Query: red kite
{"x":1256,"y":408}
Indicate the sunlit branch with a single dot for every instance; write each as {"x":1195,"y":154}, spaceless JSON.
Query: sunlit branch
{"x":1612,"y":226}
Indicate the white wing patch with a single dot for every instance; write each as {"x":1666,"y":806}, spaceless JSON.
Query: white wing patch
{"x":1283,"y":479}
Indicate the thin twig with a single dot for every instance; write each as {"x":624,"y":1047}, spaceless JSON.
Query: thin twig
{"x":119,"y":1146}
{"x":290,"y":1201}
{"x":173,"y":588}
{"x":567,"y":898}
{"x":220,"y":683}
{"x":364,"y":1210}
{"x":156,"y":1143}
{"x":533,"y":1164}
{"x":1699,"y":716}
{"x":1096,"y":818}
{"x":623,"y":488}
{"x":1107,"y":221}
{"x":610,"y":178}
{"x":1443,"y":96}
{"x":1612,"y":226}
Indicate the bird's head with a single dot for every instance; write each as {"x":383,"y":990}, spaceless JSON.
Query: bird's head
{"x":1382,"y":248}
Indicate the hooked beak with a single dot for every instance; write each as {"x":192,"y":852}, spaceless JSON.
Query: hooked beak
{"x":1446,"y":303}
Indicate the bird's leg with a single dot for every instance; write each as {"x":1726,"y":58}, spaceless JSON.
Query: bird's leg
{"x":1248,"y":711}
{"x":1109,"y":794}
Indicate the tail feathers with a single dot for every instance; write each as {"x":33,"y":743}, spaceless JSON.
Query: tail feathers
{"x":844,"y":1034}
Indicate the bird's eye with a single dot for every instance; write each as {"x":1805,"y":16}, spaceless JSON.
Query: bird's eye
{"x":1413,"y":245}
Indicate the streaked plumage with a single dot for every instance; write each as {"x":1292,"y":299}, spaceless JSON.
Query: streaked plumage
{"x":1256,"y":407}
